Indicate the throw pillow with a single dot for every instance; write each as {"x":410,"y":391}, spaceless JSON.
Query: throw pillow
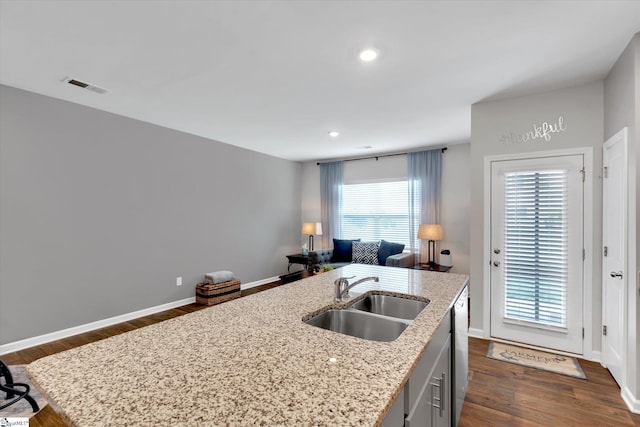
{"x":365,"y":252}
{"x":342,"y":250}
{"x":387,"y":249}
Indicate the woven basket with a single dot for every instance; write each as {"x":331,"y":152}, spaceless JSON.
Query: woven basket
{"x":210,"y":294}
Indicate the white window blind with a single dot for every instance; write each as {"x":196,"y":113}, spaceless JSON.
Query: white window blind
{"x":376,"y":211}
{"x":536,"y":240}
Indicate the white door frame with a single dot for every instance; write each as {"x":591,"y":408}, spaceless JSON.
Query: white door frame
{"x":619,"y":137}
{"x":587,"y":308}
{"x":567,"y":337}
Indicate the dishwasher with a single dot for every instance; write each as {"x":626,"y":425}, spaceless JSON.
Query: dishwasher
{"x":460,"y":328}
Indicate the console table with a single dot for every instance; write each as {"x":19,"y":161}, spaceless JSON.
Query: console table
{"x":298,"y":259}
{"x":432,"y":267}
{"x":296,"y":275}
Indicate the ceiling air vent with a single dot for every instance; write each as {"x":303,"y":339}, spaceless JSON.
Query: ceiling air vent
{"x":87,"y":86}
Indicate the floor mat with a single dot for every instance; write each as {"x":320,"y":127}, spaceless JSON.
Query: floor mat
{"x":564,"y":365}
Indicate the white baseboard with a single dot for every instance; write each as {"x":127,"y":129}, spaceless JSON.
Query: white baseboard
{"x":596,"y":356}
{"x":632,"y":401}
{"x":476,"y":333}
{"x":58,"y":335}
{"x":53,"y":336}
{"x":250,"y":285}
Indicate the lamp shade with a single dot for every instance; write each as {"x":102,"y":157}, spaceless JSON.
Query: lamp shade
{"x":312,"y":228}
{"x":430,"y":232}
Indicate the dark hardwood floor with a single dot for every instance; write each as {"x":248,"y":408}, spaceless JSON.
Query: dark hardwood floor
{"x":499,"y":393}
{"x":504,"y":394}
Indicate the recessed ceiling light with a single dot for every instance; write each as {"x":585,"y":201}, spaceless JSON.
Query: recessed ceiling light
{"x":368,"y":55}
{"x":334,"y":133}
{"x":84,"y":85}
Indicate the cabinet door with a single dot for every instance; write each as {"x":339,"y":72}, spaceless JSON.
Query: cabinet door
{"x":433,"y":404}
{"x":424,"y":369}
{"x":440,"y":383}
{"x":420,"y":414}
{"x":395,"y":416}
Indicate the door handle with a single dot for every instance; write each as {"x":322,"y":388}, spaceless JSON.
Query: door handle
{"x":496,"y":251}
{"x":496,"y":263}
{"x":616,"y":274}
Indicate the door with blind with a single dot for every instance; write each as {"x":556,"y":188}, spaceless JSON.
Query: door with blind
{"x":537,"y":251}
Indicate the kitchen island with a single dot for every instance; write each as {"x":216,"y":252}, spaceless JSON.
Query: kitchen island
{"x":251,"y":361}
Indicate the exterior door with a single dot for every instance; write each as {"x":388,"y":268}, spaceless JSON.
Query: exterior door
{"x":537,"y":251}
{"x":614,"y":240}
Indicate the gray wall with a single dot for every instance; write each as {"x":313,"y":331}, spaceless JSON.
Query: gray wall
{"x":582,"y":109}
{"x":99,"y":214}
{"x":455,"y":195}
{"x":622,"y":108}
{"x":455,"y":211}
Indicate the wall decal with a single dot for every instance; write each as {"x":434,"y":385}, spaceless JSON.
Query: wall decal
{"x":544,"y":131}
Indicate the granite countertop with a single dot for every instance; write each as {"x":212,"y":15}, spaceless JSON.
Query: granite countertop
{"x":250,"y":361}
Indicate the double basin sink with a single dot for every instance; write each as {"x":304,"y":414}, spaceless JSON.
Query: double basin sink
{"x":375,"y":317}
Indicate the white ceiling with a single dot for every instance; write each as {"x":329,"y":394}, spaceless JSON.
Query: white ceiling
{"x":276,"y":76}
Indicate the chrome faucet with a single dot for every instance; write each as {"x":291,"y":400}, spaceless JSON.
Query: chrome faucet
{"x":342,"y":286}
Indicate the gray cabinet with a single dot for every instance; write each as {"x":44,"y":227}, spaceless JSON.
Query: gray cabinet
{"x":427,"y":394}
{"x":432,"y":407}
{"x":434,"y":394}
{"x":395,"y":416}
{"x":440,"y":395}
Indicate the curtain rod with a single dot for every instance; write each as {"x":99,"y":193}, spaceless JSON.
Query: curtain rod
{"x":378,"y":157}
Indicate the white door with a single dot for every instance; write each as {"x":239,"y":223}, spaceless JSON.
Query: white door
{"x":614,"y":240}
{"x":537,"y":251}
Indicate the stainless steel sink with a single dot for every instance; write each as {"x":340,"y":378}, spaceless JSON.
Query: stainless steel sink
{"x":386,"y":305}
{"x":359,"y":324}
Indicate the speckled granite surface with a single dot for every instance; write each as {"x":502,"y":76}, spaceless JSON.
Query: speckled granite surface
{"x":250,"y":361}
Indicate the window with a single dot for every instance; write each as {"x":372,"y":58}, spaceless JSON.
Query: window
{"x":377,"y":211}
{"x":536,"y":234}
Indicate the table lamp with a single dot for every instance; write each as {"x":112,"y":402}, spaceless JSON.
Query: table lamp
{"x":312,"y":228}
{"x":431,"y":232}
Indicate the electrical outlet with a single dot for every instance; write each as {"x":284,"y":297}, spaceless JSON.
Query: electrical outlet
{"x":179,"y":281}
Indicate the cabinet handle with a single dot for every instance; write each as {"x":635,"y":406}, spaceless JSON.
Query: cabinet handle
{"x":442,"y":391}
{"x":438,"y":402}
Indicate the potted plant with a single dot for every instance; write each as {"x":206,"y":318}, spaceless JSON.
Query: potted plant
{"x":325,"y":267}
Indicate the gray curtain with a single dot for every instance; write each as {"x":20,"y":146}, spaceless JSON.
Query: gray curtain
{"x":331,"y":178}
{"x":425,"y":179}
